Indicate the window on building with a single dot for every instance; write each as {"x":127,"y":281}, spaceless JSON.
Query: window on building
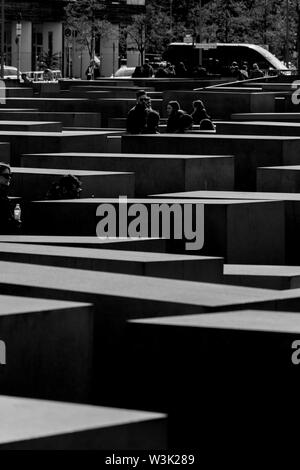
{"x":50,"y":43}
{"x":37,"y":46}
{"x":7,"y":47}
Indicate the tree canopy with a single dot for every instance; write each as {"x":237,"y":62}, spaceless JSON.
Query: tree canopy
{"x":255,"y":21}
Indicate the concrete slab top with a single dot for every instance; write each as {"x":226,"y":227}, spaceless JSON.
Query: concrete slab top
{"x":137,"y":287}
{"x":260,"y":270}
{"x":54,"y":171}
{"x":37,"y":111}
{"x":24,"y":419}
{"x":248,"y":320}
{"x":18,"y":110}
{"x":45,"y":240}
{"x":212,"y":136}
{"x":118,"y":100}
{"x":240,"y":195}
{"x":37,"y":99}
{"x":119,"y":255}
{"x":53,"y":134}
{"x":271,"y":115}
{"x":211,"y":202}
{"x":107,"y":87}
{"x":26,"y":123}
{"x":283,"y":168}
{"x":10,"y":305}
{"x":261,"y":123}
{"x":128,"y":155}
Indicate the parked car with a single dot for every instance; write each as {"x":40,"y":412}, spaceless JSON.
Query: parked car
{"x":224,"y":54}
{"x":123,"y":72}
{"x":10,"y":73}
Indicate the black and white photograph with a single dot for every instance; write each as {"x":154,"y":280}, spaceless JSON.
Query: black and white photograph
{"x":149,"y":227}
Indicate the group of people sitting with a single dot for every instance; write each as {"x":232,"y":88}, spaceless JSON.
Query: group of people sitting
{"x":163,"y":70}
{"x":243,"y":72}
{"x":142,"y":119}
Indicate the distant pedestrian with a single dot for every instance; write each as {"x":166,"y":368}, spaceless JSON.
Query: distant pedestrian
{"x":88,"y":72}
{"x":147,"y":69}
{"x":170,"y":70}
{"x":161,"y":72}
{"x":243,"y":75}
{"x":256,"y":72}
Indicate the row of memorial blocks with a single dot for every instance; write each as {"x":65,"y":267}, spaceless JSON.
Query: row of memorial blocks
{"x":143,"y":324}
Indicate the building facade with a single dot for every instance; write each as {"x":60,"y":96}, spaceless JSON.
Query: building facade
{"x":45,"y":38}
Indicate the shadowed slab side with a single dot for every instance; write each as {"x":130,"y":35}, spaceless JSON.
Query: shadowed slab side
{"x":188,"y":267}
{"x":258,"y":128}
{"x":30,"y":126}
{"x":34,"y":183}
{"x":282,"y":179}
{"x":234,"y":367}
{"x":267,"y":277}
{"x":67,"y":119}
{"x":157,"y":245}
{"x":292,"y":217}
{"x":48,"y":342}
{"x":153,"y":173}
{"x":65,"y":141}
{"x":282,"y":117}
{"x":250,"y":151}
{"x":239,"y":231}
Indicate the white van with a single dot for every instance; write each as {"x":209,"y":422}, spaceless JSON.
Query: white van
{"x":222,"y":53}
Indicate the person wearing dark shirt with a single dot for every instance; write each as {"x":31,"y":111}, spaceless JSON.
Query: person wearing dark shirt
{"x":68,"y":187}
{"x":234,"y":69}
{"x":10,"y":220}
{"x":181,"y":70}
{"x":256,"y":72}
{"x":147,"y":69}
{"x":185,"y":123}
{"x":199,"y":112}
{"x":174,"y":114}
{"x":243,"y":73}
{"x":152,"y":122}
{"x":137,"y":72}
{"x":207,"y":125}
{"x":137,"y":116}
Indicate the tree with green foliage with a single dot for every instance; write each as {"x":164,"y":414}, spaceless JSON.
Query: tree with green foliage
{"x":254,"y":21}
{"x":86,"y":18}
